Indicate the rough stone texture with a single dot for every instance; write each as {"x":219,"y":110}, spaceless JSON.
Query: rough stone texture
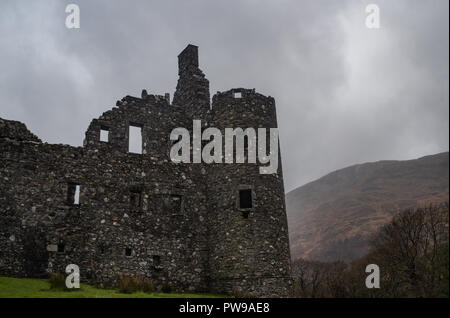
{"x":15,"y":130}
{"x":141,"y":214}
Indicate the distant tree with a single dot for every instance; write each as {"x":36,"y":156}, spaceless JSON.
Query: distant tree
{"x":309,"y":278}
{"x":413,"y":251}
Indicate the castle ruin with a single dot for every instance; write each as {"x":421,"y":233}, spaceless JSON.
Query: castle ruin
{"x":200,"y":227}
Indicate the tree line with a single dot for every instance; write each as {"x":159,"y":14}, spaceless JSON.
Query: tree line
{"x":412,"y":253}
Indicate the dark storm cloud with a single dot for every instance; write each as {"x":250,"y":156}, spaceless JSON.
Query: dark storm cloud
{"x":345,"y":94}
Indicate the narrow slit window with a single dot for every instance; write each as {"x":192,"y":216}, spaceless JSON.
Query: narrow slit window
{"x":135,"y":199}
{"x":135,"y":139}
{"x":245,"y":199}
{"x":76,"y":199}
{"x":104,"y":134}
{"x":175,"y":203}
{"x":246,"y":142}
{"x":73,"y":193}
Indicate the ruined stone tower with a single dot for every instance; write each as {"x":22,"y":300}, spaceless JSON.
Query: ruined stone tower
{"x":199,"y":227}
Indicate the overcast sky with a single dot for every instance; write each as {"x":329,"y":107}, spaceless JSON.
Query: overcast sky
{"x":345,"y":94}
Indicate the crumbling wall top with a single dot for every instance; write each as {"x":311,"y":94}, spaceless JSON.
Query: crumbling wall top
{"x":146,"y":99}
{"x":16,"y":130}
{"x":236,"y":96}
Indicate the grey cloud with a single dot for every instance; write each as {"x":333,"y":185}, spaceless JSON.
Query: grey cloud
{"x":345,"y":94}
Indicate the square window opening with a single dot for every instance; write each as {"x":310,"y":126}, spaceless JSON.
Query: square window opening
{"x":61,"y":247}
{"x":237,"y":95}
{"x":104,"y":134}
{"x":245,"y":199}
{"x":156,"y":260}
{"x":128,"y":251}
{"x":135,"y":139}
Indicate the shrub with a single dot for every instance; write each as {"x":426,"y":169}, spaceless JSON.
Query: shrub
{"x":147,"y":286}
{"x":237,"y":293}
{"x":166,"y":288}
{"x":58,"y":282}
{"x":128,"y":285}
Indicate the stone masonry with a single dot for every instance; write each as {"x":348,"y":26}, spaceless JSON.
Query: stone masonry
{"x":113,"y":212}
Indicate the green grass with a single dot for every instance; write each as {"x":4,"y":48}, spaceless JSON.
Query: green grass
{"x":40,"y":288}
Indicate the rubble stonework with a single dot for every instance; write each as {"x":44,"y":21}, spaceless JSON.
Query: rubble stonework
{"x":141,"y":214}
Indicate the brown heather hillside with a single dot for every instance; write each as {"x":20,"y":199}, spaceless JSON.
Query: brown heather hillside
{"x":333,"y":217}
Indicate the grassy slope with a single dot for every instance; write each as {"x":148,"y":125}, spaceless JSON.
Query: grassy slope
{"x":40,"y":288}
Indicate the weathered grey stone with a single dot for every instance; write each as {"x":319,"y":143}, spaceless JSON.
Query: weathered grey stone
{"x":142,"y":214}
{"x":52,"y":248}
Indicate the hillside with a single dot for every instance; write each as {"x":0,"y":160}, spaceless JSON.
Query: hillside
{"x":333,"y":217}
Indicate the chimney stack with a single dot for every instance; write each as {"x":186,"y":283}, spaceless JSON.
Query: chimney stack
{"x":188,"y":59}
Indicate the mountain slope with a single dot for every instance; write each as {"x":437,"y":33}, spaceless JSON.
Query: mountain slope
{"x":333,"y":217}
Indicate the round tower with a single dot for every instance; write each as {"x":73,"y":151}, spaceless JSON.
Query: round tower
{"x":249,"y":244}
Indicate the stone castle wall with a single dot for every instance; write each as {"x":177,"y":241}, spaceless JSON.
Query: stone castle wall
{"x":141,"y":214}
